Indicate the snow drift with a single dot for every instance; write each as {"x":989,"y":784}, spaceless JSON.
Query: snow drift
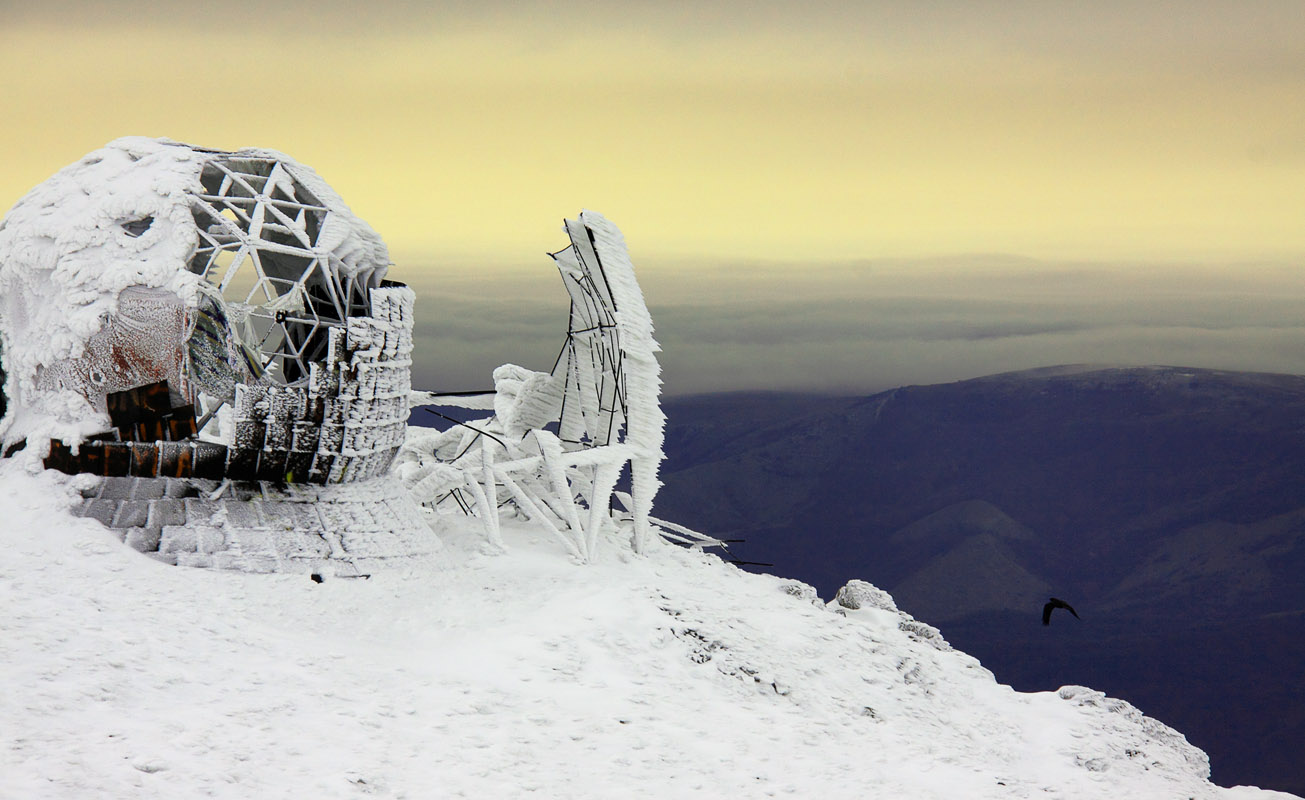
{"x":475,"y":675}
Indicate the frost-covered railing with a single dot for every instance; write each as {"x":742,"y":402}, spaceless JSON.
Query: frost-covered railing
{"x":558,"y":441}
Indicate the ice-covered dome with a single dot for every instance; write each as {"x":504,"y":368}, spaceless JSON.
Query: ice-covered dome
{"x":150,"y":260}
{"x":229,"y":303}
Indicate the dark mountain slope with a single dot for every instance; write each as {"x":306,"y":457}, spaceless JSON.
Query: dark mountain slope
{"x":1101,"y":464}
{"x":1166,"y":504}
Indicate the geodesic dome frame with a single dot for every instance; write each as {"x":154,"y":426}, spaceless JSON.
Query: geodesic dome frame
{"x":268,"y":243}
{"x":227,"y":305}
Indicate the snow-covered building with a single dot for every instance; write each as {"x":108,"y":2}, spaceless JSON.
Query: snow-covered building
{"x":153,"y":289}
{"x":178,"y":320}
{"x":212,"y":335}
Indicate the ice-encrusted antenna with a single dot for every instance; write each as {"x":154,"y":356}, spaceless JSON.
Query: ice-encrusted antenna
{"x":562,"y":438}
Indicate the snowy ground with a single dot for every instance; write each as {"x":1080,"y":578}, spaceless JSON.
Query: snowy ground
{"x":521,"y":674}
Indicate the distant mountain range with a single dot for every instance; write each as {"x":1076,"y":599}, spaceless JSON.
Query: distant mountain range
{"x":1166,"y":504}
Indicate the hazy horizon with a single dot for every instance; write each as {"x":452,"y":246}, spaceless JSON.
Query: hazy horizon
{"x":859,"y":327}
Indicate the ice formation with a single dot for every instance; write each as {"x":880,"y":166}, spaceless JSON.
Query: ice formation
{"x":174,"y":315}
{"x":177,"y":319}
{"x":239,"y":280}
{"x":558,"y":441}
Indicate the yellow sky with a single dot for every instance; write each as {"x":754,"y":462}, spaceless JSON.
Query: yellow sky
{"x":1017,"y":128}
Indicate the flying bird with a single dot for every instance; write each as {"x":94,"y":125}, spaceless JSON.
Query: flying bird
{"x":1055,"y":603}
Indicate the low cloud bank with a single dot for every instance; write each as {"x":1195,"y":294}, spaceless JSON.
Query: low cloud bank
{"x":875,"y":325}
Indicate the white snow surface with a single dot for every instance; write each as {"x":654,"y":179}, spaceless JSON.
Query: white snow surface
{"x":514,"y":674}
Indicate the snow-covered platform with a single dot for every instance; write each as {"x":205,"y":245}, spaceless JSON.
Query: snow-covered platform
{"x":345,"y":530}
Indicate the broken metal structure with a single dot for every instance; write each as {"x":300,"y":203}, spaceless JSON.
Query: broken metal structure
{"x":212,"y":334}
{"x":557,"y":443}
{"x":229,"y":319}
{"x":310,"y":355}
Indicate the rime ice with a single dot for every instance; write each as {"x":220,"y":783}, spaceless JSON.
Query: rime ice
{"x":558,"y":440}
{"x":238,"y":279}
{"x":177,"y":320}
{"x":176,"y":317}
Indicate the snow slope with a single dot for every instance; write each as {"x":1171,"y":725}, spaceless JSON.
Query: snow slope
{"x":482,"y":675}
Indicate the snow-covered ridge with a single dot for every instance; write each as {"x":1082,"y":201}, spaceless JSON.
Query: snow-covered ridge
{"x":476,"y":675}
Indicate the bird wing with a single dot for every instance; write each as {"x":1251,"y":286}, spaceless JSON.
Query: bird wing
{"x":1046,"y":613}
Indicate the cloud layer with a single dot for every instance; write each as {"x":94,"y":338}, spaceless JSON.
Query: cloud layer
{"x":866,"y":327}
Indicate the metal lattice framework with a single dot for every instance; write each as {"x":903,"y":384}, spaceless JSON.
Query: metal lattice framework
{"x":559,"y":440}
{"x":269,"y":245}
{"x":224,"y":312}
